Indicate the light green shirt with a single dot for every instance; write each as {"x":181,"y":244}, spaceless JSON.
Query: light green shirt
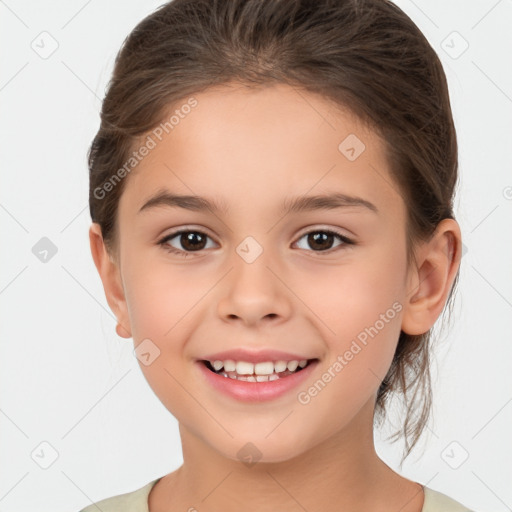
{"x":137,"y":501}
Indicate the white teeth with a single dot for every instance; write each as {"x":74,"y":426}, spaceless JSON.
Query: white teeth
{"x":258,"y":372}
{"x":280,"y":366}
{"x":244,"y":368}
{"x":292,"y":365}
{"x":264,"y":368}
{"x":217,"y":365}
{"x":251,"y":378}
{"x":229,"y":365}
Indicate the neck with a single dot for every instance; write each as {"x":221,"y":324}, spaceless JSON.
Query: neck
{"x":342,"y":472}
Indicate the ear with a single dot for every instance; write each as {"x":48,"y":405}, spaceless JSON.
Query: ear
{"x":429,"y":284}
{"x":110,"y":274}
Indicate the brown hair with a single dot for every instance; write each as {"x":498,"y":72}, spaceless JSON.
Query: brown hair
{"x":364,"y":55}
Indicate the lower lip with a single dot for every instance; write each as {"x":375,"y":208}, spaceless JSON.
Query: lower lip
{"x":256,"y":391}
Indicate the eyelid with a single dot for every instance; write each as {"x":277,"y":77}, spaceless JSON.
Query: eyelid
{"x":186,"y":228}
{"x":320,"y":227}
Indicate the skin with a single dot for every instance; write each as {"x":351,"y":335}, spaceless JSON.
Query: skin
{"x":251,"y":149}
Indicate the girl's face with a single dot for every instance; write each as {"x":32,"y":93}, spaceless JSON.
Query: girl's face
{"x":257,"y":276}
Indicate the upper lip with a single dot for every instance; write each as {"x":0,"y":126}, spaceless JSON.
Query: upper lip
{"x":260,"y":356}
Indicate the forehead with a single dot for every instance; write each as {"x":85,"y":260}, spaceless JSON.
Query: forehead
{"x":239,"y":145}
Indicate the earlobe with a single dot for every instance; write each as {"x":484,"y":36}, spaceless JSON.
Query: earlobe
{"x":110,"y":276}
{"x":122,"y":332}
{"x":430,"y":283}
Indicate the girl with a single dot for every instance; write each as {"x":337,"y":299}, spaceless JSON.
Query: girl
{"x":271,"y":194}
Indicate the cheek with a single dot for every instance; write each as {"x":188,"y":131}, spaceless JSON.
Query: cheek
{"x":374,"y":308}
{"x":359,"y":357}
{"x":160,"y":297}
{"x":360,"y":306}
{"x":354,"y":295}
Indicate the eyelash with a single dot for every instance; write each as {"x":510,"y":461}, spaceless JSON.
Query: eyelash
{"x":163,"y":242}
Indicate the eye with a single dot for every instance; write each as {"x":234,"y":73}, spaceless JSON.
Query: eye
{"x":194,"y":241}
{"x":322,"y":239}
{"x":190,"y":240}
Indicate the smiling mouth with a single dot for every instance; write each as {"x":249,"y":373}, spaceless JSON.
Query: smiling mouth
{"x":256,"y":377}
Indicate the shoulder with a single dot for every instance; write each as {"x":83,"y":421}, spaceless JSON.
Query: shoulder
{"x":436,"y":501}
{"x":134,"y":501}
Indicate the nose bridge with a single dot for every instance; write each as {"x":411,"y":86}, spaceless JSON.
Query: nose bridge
{"x":253,"y":292}
{"x":251,"y":275}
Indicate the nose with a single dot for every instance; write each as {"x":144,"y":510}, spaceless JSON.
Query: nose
{"x":254,"y":293}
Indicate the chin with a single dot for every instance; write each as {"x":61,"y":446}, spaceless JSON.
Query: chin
{"x":253,"y":450}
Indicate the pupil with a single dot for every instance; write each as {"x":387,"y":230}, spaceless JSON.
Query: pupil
{"x":316,"y":238}
{"x":188,"y":240}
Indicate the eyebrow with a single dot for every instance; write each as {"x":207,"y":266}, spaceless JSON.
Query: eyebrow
{"x":291,"y":205}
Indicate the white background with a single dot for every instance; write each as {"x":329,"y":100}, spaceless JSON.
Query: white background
{"x":68,"y":380}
